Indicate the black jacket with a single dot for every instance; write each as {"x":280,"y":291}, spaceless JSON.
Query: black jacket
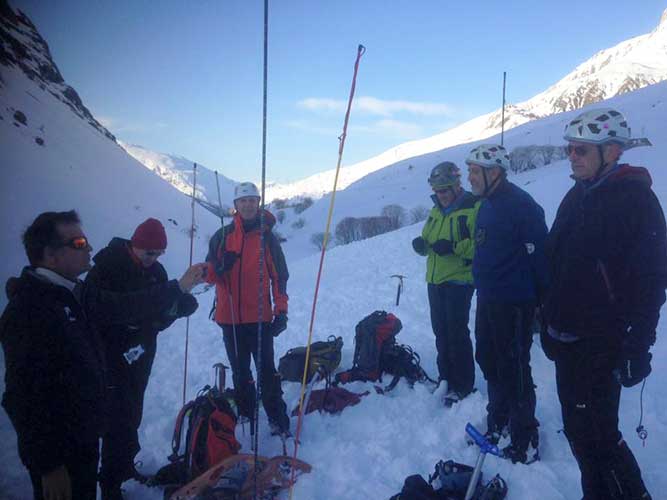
{"x":607,"y":251}
{"x":55,"y":374}
{"x":129,"y":346}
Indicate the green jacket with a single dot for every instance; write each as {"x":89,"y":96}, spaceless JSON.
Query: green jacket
{"x":457,"y":224}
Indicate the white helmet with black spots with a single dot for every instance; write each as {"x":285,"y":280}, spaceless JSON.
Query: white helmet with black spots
{"x":489,"y":156}
{"x":445,"y":174}
{"x":245,"y":189}
{"x":598,"y":126}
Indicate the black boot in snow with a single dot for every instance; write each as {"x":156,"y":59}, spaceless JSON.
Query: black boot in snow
{"x":111,"y":491}
{"x":623,"y":477}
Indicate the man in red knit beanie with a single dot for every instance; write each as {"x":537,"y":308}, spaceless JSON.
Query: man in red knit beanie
{"x":126,"y":266}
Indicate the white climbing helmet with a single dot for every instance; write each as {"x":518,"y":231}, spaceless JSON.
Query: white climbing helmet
{"x":598,"y":126}
{"x":245,"y":189}
{"x":489,"y":156}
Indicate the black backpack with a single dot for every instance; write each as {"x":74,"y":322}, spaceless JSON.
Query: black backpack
{"x":401,"y":361}
{"x":324,"y":357}
{"x":372,"y":335}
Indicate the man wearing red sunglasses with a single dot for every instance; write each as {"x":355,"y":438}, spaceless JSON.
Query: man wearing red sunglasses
{"x":608,"y":259}
{"x":55,"y":393}
{"x":127,"y":266}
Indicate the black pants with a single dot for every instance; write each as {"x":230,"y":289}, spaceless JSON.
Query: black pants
{"x":82,"y":475}
{"x":239,"y":349}
{"x":125,"y":400}
{"x":503,"y":339}
{"x":450,"y":313}
{"x":589,"y":396}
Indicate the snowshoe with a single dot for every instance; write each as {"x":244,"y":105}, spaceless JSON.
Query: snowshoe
{"x":236,"y":475}
{"x":496,"y":489}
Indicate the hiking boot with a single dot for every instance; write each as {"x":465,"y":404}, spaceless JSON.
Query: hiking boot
{"x":453,"y":397}
{"x":111,"y":491}
{"x":520,"y":454}
{"x":277,"y":430}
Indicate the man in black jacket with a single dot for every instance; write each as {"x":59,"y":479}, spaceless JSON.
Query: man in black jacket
{"x":608,"y":259}
{"x":126,"y":266}
{"x":55,"y":372}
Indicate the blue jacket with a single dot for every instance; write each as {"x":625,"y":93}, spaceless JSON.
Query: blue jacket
{"x":509,"y":263}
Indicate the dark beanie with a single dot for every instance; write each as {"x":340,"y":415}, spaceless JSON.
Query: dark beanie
{"x":150,"y":235}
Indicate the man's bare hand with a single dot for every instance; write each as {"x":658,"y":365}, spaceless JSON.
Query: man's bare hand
{"x":193,"y":276}
{"x":56,"y":485}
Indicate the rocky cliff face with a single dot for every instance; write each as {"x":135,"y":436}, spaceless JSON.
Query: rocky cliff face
{"x":23,"y":49}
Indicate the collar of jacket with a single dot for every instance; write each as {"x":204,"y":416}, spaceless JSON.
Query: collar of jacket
{"x":453,"y":206}
{"x":502,"y":187}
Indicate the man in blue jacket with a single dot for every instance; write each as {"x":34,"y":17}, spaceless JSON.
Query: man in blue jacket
{"x":607,"y":253}
{"x":509,"y":272}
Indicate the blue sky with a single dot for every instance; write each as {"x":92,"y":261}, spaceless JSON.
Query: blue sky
{"x":185,"y":77}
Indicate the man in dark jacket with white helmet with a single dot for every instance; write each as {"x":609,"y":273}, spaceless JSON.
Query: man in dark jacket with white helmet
{"x":608,"y":259}
{"x":55,"y":378}
{"x":509,"y":271}
{"x":126,"y":266}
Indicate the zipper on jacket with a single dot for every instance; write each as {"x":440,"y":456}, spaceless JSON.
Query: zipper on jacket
{"x":435,"y":255}
{"x":607,"y":282}
{"x":240,"y":274}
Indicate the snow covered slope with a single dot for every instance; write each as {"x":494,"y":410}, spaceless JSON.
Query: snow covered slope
{"x":630,"y":65}
{"x":56,"y":156}
{"x":177,"y":170}
{"x":404,"y":182}
{"x":368,"y":450}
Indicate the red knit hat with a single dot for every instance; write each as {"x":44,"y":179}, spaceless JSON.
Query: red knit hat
{"x":150,"y":235}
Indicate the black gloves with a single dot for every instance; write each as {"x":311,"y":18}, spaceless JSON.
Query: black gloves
{"x":228,"y":261}
{"x":278,"y":325}
{"x":443,"y":247}
{"x":186,"y":305}
{"x":419,"y":245}
{"x":635,"y":363}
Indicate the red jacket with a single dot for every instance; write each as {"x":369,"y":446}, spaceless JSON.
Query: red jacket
{"x":241,"y":282}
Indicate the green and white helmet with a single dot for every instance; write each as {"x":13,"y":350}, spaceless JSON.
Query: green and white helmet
{"x":489,"y":156}
{"x":245,"y":189}
{"x":445,"y":174}
{"x":598,"y":126}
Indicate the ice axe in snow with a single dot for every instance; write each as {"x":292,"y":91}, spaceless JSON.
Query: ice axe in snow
{"x":220,"y":375}
{"x":400,"y":286}
{"x":484,"y":447}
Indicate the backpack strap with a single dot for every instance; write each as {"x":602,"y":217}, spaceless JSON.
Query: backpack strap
{"x":178,"y":429}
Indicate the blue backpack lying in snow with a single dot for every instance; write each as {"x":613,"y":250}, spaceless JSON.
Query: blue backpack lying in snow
{"x":450,"y":481}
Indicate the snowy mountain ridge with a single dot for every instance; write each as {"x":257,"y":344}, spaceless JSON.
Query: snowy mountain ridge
{"x":629,"y":65}
{"x":23,"y":48}
{"x":178,"y":171}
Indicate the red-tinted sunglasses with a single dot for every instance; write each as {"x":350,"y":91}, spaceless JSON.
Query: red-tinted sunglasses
{"x":78,"y":243}
{"x":578,"y":150}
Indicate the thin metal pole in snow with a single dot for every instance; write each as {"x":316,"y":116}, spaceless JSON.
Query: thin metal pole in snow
{"x":502,"y":119}
{"x":360,"y":51}
{"x":187,"y":320}
{"x":260,"y":307}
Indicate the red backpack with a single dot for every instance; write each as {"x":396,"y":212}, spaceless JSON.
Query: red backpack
{"x":372,"y":335}
{"x":210,"y":436}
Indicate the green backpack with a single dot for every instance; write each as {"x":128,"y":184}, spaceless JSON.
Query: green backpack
{"x":324,"y":356}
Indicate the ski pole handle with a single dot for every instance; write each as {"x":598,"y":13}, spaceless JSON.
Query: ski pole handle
{"x":481,"y":441}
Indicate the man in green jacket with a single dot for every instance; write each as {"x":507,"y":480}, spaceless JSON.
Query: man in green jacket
{"x":447,"y":241}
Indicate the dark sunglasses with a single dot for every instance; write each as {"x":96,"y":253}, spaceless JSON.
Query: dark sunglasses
{"x":154,"y":253}
{"x":79,"y":243}
{"x":578,"y":150}
{"x":443,"y":190}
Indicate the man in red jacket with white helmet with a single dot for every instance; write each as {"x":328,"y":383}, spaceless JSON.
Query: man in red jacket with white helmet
{"x":234,"y":266}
